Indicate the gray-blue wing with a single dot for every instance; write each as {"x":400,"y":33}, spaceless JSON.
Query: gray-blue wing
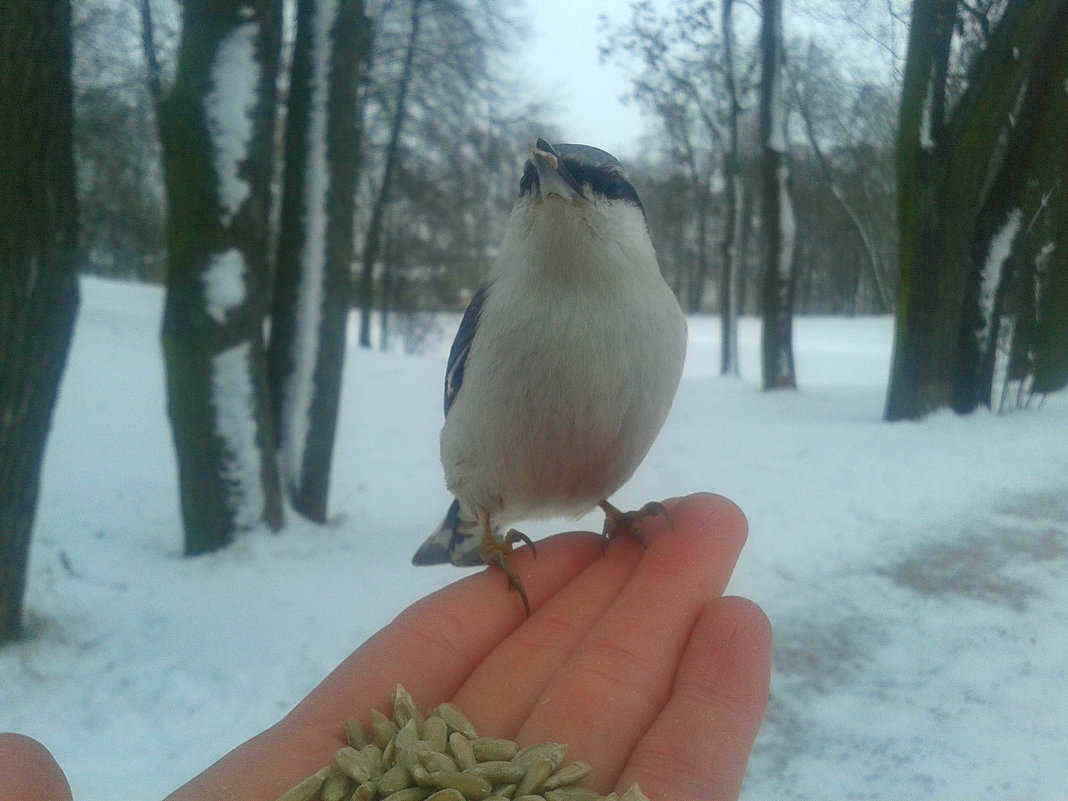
{"x":461,"y":346}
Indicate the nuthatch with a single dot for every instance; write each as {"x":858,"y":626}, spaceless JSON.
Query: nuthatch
{"x":565,"y":364}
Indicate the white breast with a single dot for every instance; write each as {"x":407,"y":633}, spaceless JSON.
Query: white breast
{"x":571,"y":374}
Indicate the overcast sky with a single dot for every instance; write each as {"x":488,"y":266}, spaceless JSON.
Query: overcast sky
{"x":561,"y":60}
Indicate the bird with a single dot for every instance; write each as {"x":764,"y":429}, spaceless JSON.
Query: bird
{"x":564,"y":367}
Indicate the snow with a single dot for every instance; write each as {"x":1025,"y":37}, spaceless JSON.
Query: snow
{"x":927,"y":115}
{"x":233,"y":396}
{"x":224,"y":284}
{"x":990,"y":274}
{"x":229,"y":107}
{"x":914,"y":573}
{"x":299,"y":390}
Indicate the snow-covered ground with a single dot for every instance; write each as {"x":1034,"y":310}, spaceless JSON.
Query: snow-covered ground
{"x":915,"y":574}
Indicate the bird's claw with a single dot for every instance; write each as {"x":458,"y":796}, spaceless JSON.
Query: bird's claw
{"x":617,"y":522}
{"x":496,"y":552}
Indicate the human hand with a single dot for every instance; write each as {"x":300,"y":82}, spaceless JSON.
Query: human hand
{"x":633,"y":658}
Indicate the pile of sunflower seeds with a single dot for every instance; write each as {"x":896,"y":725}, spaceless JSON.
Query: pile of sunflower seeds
{"x":440,"y":757}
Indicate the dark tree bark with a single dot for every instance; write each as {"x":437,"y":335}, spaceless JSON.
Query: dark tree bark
{"x":217,"y":127}
{"x":948,"y":163}
{"x":733,"y":191}
{"x":38,"y":252}
{"x":315,"y":248}
{"x":1017,"y":227}
{"x":776,"y":210}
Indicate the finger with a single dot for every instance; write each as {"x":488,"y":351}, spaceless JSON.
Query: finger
{"x":28,"y":771}
{"x":435,"y":644}
{"x":613,"y":686}
{"x":502,"y":690}
{"x":699,"y":745}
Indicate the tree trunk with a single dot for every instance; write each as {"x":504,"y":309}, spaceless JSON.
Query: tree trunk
{"x":871,"y":255}
{"x":733,"y":208}
{"x":1018,"y":222}
{"x":776,"y":210}
{"x":373,"y":240}
{"x":38,"y":252}
{"x":218,"y":127}
{"x":946,"y":169}
{"x":315,"y":248}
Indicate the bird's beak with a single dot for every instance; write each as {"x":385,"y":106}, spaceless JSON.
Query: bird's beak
{"x":553,"y":177}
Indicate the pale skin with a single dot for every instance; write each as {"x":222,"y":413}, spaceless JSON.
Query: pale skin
{"x":633,"y":657}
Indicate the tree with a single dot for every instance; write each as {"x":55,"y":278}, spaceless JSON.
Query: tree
{"x":38,"y":255}
{"x":810,"y":82}
{"x":690,"y":79}
{"x":975,"y":140}
{"x":316,"y":244}
{"x":734,"y":205}
{"x":776,"y":210}
{"x":218,"y":124}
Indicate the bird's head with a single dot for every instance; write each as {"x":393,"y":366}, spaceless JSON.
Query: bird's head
{"x":572,"y":192}
{"x":575,"y":173}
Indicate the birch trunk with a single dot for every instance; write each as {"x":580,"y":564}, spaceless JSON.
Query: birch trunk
{"x":315,"y":248}
{"x":776,"y":210}
{"x":217,"y":127}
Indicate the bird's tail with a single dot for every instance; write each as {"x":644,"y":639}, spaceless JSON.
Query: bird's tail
{"x":456,"y":540}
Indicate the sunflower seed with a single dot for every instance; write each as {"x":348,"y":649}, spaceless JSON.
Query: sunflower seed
{"x":540,"y":769}
{"x":355,"y":734}
{"x":573,"y":794}
{"x":393,"y":780}
{"x":436,"y":733}
{"x":352,"y":764}
{"x":500,"y":771}
{"x":409,"y":794}
{"x":373,"y":755}
{"x":488,"y":749}
{"x":405,"y":709}
{"x":456,"y":720}
{"x":568,"y":774}
{"x":305,"y":789}
{"x":383,"y":728}
{"x":434,"y":761}
{"x":555,"y":752}
{"x":365,"y":792}
{"x":336,"y":787}
{"x":407,"y":736}
{"x":448,"y":794}
{"x":460,"y":748}
{"x":474,"y":788}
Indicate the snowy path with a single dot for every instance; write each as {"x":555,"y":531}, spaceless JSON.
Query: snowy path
{"x":884,"y":678}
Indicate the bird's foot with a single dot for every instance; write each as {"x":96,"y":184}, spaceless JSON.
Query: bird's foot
{"x":496,"y":552}
{"x":617,"y":522}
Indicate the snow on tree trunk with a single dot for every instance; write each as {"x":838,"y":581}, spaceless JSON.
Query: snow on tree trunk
{"x":38,"y":254}
{"x":315,"y":250}
{"x":962,"y":173}
{"x":217,"y":128}
{"x":776,"y":210}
